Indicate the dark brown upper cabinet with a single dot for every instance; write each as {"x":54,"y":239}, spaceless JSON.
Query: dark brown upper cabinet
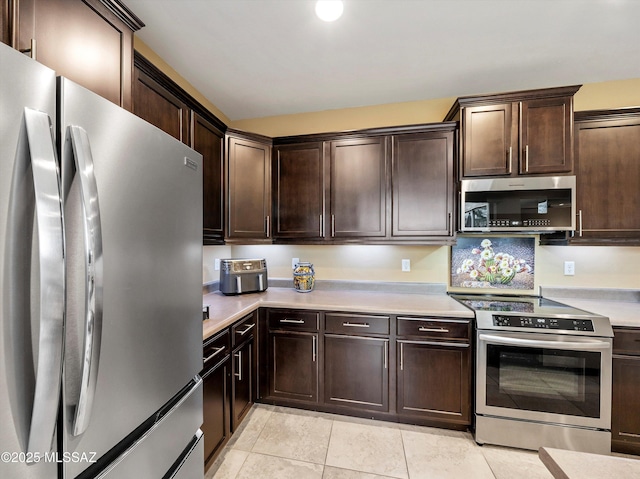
{"x":358,"y":188}
{"x":298,"y":191}
{"x":607,"y":176}
{"x":249,"y":187}
{"x":518,"y":133}
{"x":161,"y":106}
{"x":161,"y":102}
{"x":88,"y":41}
{"x":422,"y":183}
{"x":208,"y":140}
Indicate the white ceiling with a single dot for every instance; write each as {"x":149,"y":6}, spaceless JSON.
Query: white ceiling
{"x":257,"y":58}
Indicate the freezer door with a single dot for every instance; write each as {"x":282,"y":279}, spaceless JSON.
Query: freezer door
{"x":171,"y":445}
{"x":133,"y":222}
{"x":31,"y":269}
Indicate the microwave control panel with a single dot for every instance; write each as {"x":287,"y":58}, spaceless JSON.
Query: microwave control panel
{"x":543,"y":323}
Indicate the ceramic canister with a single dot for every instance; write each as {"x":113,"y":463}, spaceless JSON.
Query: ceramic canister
{"x":304,"y":277}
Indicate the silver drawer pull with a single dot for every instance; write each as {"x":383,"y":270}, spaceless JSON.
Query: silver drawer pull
{"x":356,"y":325}
{"x":292,"y":321}
{"x":422,"y":329}
{"x":249,"y":328}
{"x":218,"y":351}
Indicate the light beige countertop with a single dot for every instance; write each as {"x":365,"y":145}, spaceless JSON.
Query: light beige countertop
{"x":225,"y":310}
{"x":620,"y":313}
{"x":581,"y":465}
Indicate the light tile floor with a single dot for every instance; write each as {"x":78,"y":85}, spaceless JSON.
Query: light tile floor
{"x":282,"y":443}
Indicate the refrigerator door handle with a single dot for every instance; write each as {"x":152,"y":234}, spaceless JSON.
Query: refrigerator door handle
{"x":93,"y":286}
{"x":50,"y":223}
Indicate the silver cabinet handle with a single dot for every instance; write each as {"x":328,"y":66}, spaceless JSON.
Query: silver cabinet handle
{"x":510,"y":159}
{"x":450,"y":224}
{"x":292,"y":321}
{"x":386,"y":354}
{"x":31,"y":50}
{"x":321,"y":227}
{"x":333,"y":225}
{"x":356,"y":325}
{"x":315,"y":348}
{"x":217,"y":351}
{"x":36,"y":183}
{"x":526,"y":158}
{"x":401,"y":356}
{"x":239,"y":373}
{"x":268,"y":226}
{"x":422,"y":329}
{"x":93,"y":286}
{"x":580,"y":223}
{"x":249,"y":328}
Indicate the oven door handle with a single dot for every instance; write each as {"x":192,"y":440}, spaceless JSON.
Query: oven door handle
{"x":573,"y":345}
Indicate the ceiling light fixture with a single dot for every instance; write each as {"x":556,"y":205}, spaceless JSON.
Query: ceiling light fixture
{"x":329,"y":10}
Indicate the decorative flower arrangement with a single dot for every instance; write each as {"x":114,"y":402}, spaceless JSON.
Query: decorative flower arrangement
{"x":493,"y":267}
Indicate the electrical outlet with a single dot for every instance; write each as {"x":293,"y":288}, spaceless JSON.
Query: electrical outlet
{"x":294,"y":262}
{"x":216,"y":264}
{"x":406,"y":265}
{"x":569,"y":268}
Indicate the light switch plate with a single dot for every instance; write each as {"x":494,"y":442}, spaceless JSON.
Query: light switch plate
{"x":216,"y":264}
{"x":294,"y":262}
{"x":406,"y":265}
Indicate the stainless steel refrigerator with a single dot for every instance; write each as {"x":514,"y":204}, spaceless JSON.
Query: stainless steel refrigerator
{"x":100,"y":286}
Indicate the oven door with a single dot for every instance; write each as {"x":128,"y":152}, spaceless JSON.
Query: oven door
{"x":544,"y":377}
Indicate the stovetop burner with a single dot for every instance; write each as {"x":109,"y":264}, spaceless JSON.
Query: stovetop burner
{"x":528,"y":313}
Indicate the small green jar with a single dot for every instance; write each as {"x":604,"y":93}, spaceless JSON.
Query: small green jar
{"x":304,"y":277}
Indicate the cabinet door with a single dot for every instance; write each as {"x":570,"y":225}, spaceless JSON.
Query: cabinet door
{"x":293,"y":367}
{"x":607,"y":177}
{"x":298,"y":191}
{"x":625,"y":410}
{"x":216,"y":413}
{"x":546,"y":136}
{"x":488,"y":144}
{"x":249,"y":197}
{"x":358,"y":188}
{"x":434,"y":381}
{"x":422,"y":183}
{"x":83,"y":41}
{"x":241,"y":383}
{"x":207,"y":140}
{"x":356,"y":372}
{"x":157,"y":105}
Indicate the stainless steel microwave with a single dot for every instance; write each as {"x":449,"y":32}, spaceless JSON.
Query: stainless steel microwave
{"x":533,"y":205}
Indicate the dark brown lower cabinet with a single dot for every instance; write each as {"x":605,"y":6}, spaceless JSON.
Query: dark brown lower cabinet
{"x":216,"y":413}
{"x":434,"y":381}
{"x":625,"y":408}
{"x":356,"y":372}
{"x":241,"y":382}
{"x":293,"y":365}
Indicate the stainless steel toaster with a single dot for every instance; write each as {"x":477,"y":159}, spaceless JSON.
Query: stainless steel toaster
{"x":239,"y":276}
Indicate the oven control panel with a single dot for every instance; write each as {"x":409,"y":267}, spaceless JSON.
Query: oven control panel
{"x":543,"y":323}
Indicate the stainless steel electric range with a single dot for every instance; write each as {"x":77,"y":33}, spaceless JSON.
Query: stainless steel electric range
{"x":543,"y":374}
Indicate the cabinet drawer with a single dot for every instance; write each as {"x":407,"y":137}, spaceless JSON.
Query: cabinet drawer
{"x":434,"y":328}
{"x":294,"y":320}
{"x":215,"y":349}
{"x":243,"y":329}
{"x":356,"y":324}
{"x":626,"y":342}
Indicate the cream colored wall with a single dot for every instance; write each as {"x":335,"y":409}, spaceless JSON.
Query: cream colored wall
{"x":592,"y":96}
{"x":209,"y":255}
{"x":596,"y":266}
{"x":168,"y":70}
